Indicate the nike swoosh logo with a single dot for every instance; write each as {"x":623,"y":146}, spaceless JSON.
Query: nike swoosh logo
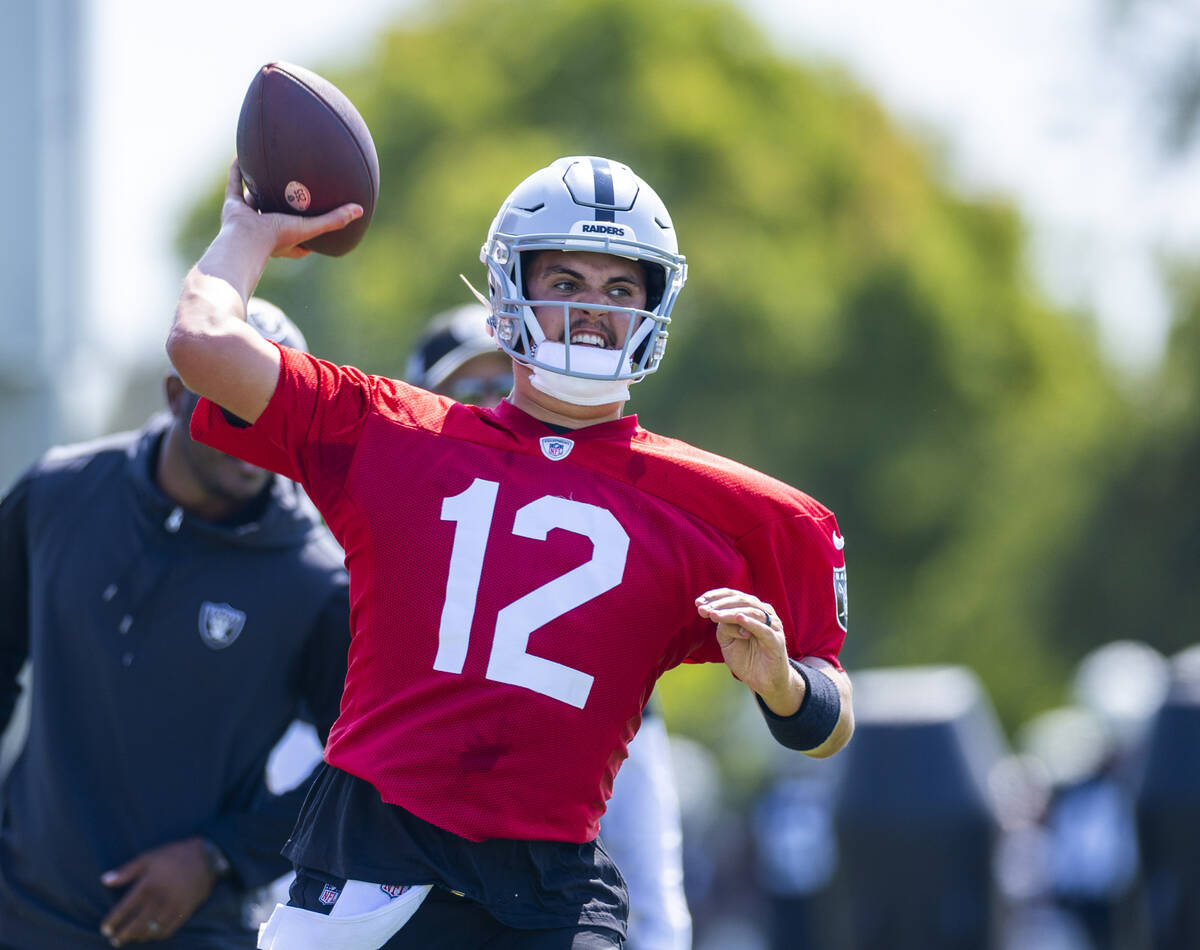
{"x":838,"y":541}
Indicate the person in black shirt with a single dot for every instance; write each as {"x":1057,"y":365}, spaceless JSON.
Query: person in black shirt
{"x":180,"y":609}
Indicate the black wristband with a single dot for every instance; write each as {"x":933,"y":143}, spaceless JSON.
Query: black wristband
{"x":815,"y":720}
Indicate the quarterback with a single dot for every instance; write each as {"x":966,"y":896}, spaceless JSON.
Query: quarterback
{"x":520,"y":576}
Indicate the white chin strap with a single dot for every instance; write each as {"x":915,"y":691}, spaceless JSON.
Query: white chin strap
{"x":584,"y":359}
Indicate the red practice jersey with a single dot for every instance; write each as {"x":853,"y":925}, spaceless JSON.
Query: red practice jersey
{"x":516,"y":593}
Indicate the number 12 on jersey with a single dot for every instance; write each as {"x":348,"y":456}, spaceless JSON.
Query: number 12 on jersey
{"x":472,"y":512}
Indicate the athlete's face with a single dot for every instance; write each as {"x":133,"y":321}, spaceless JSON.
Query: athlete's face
{"x":591,"y":283}
{"x":225,"y":480}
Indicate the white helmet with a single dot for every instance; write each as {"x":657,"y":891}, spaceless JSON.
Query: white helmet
{"x":583,"y":203}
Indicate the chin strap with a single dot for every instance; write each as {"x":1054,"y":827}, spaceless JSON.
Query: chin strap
{"x":580,"y":391}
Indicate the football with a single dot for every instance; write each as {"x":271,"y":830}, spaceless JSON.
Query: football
{"x":304,"y":149}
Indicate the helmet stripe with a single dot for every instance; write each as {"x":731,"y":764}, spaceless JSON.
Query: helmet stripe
{"x":602,"y":179}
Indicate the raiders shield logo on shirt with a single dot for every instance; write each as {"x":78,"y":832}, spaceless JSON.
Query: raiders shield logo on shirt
{"x":220,"y":624}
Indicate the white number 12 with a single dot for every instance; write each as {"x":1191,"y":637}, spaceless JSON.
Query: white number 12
{"x":472,"y":512}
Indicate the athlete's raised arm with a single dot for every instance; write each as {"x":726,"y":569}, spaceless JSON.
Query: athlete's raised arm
{"x":210,"y":345}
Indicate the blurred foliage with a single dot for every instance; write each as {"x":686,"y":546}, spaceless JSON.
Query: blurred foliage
{"x":850,"y":324}
{"x":1134,"y":570}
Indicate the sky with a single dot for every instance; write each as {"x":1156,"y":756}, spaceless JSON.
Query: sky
{"x":167,"y":83}
{"x":1018,"y":95}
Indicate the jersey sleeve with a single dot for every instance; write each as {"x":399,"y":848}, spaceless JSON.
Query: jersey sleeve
{"x":796,"y":565}
{"x":309,"y":429}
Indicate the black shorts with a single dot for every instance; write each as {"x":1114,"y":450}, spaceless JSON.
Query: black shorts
{"x":447,"y":921}
{"x":347,"y":831}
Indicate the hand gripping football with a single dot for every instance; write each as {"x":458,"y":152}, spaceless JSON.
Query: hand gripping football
{"x":304,"y":149}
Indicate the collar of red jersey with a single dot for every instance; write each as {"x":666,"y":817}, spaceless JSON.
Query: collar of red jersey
{"x":524,"y":424}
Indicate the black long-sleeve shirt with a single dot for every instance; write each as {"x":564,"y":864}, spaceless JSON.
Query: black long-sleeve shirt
{"x":169,"y":654}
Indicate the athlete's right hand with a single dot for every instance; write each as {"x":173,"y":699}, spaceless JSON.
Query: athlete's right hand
{"x":278,"y":234}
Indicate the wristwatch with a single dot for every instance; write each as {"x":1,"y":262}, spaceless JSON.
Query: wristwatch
{"x":217,"y":862}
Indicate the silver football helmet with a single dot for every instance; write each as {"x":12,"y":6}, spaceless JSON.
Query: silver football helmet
{"x":583,"y":203}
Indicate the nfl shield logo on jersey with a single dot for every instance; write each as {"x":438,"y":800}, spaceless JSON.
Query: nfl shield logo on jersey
{"x":556,"y":448}
{"x":220,"y":624}
{"x":839,"y":596}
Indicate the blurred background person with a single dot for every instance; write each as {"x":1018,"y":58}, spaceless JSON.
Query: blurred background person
{"x":1091,"y":751}
{"x":1089,"y":861}
{"x":796,"y":854}
{"x":180,"y":609}
{"x":1167,"y":806}
{"x":917,"y":826}
{"x":457,"y":357}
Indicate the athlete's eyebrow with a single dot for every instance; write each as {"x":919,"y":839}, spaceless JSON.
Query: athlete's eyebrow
{"x":563,"y":269}
{"x":571,"y":272}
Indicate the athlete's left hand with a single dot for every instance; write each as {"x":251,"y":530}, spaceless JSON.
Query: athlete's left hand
{"x":166,"y":885}
{"x":753,"y":646}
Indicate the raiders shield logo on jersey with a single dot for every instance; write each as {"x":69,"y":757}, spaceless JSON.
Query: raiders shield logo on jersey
{"x":220,"y":624}
{"x":556,"y":448}
{"x":839,"y":596}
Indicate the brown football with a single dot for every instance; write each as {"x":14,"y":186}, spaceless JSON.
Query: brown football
{"x":304,"y":149}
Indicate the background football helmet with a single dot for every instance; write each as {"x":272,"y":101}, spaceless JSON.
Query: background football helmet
{"x":583,"y":203}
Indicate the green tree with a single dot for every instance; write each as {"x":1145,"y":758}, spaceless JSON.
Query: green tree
{"x":1134,"y":570}
{"x":851,"y":324}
